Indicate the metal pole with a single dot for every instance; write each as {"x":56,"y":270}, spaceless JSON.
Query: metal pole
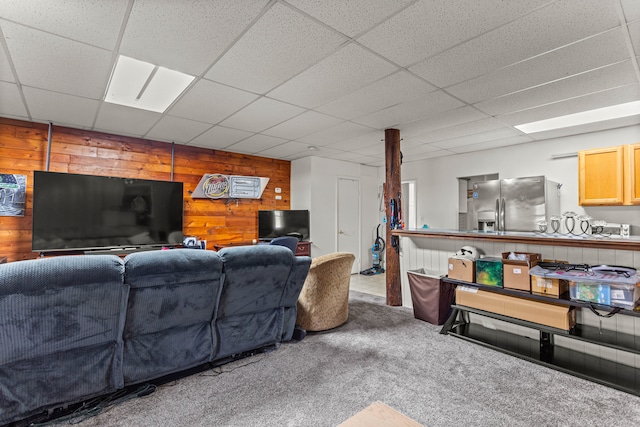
{"x":49,"y":146}
{"x":173,"y":155}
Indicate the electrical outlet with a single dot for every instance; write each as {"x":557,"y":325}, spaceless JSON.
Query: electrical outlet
{"x":278,"y":190}
{"x":278,"y":197}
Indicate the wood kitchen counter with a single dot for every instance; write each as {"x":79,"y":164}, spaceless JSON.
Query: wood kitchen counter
{"x":531,"y":238}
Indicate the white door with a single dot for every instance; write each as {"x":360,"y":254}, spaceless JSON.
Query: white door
{"x":349,"y":219}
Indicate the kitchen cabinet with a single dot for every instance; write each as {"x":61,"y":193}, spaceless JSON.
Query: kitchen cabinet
{"x":609,"y":176}
{"x":632,"y":179}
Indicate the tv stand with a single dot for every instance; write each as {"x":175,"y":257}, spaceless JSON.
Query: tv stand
{"x":303,"y":248}
{"x":106,"y":251}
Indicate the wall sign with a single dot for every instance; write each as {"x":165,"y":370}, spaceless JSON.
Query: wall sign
{"x":12,"y":194}
{"x":219,"y":186}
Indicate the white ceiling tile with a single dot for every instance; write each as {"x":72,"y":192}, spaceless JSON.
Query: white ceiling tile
{"x":409,"y":151}
{"x":495,"y":143}
{"x":280,"y":45}
{"x":588,"y":128}
{"x":384,"y":93}
{"x":428,"y":27}
{"x":287,"y":149}
{"x":591,"y":53}
{"x":219,"y":137}
{"x":549,"y":28}
{"x":210,"y":102}
{"x":257,"y":143}
{"x":620,"y":95}
{"x":262,"y":114}
{"x":176,"y":129}
{"x":590,"y":82}
{"x":186,"y":36}
{"x":426,"y":155}
{"x":11,"y":102}
{"x":70,"y":67}
{"x":320,"y":152}
{"x":347,"y":156}
{"x":372,"y":150}
{"x":349,"y":69}
{"x":6,"y":73}
{"x":352,"y":17}
{"x":493,"y":135}
{"x":59,"y":108}
{"x":442,"y":120}
{"x":360,"y":141}
{"x":432,"y":103}
{"x":631,"y":9}
{"x":465,"y":129}
{"x":303,"y":125}
{"x":634,"y":33}
{"x":95,"y":22}
{"x":125,"y":120}
{"x":341,"y":132}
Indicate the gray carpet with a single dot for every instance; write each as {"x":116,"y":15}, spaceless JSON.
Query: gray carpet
{"x":382,"y":353}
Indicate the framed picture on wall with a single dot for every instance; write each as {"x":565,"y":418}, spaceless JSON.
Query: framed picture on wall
{"x":12,"y":194}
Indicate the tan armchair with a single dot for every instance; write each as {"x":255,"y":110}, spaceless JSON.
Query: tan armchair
{"x":324,"y":301}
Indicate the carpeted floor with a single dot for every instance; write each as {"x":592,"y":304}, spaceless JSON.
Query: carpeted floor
{"x":381,"y":354}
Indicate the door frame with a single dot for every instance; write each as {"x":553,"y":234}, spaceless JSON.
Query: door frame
{"x":337,"y":216}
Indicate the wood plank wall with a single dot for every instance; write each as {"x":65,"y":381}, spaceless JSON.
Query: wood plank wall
{"x":23,"y":149}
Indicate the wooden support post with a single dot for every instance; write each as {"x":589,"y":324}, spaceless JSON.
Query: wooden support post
{"x":393,"y":188}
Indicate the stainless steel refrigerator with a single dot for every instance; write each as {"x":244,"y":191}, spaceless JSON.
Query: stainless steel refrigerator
{"x":515,"y":204}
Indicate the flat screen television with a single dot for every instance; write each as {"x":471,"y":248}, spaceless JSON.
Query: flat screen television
{"x":85,"y":212}
{"x":278,"y":223}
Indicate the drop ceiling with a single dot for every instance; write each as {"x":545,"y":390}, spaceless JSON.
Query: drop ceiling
{"x":296,"y":78}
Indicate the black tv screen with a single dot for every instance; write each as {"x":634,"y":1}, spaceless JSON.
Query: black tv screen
{"x":85,"y":212}
{"x":278,"y":223}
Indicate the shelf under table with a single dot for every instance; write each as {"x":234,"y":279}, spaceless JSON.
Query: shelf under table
{"x":616,"y":375}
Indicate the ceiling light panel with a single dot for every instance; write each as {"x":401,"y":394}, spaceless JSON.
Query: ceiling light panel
{"x":139,"y":84}
{"x":591,"y":116}
{"x":619,"y":95}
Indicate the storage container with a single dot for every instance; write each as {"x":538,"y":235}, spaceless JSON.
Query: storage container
{"x":516,"y":271}
{"x":431,"y":297}
{"x":462,"y":269}
{"x":600,"y":287}
{"x":489,"y":271}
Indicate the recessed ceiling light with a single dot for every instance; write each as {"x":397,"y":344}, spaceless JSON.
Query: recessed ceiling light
{"x":312,"y":148}
{"x":590,"y":116}
{"x":139,"y":84}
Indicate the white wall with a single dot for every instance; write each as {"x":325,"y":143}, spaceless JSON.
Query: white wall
{"x":314,"y":187}
{"x":437,"y":184}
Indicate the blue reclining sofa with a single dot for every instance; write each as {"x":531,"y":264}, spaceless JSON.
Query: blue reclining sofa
{"x":76,"y":327}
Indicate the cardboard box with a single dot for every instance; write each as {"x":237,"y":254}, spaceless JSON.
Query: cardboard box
{"x":516,"y":272}
{"x":489,"y":271}
{"x":548,"y":314}
{"x":462,"y":269}
{"x":549,"y":287}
